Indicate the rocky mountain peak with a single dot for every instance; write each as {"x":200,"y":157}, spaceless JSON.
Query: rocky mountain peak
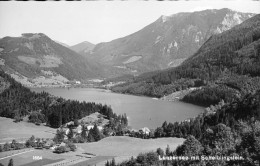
{"x":168,"y":41}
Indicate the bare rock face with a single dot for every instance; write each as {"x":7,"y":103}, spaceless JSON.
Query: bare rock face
{"x":167,"y":42}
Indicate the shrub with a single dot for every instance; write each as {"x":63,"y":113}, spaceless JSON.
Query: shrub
{"x":60,"y":149}
{"x":72,"y":146}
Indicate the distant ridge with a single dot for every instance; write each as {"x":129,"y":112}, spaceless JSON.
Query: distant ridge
{"x":227,"y":64}
{"x":63,"y":44}
{"x":167,"y":42}
{"x":83,"y":48}
{"x":34,"y":58}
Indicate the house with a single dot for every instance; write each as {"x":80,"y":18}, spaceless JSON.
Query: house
{"x":145,"y":130}
{"x":54,"y":147}
{"x":67,"y":130}
{"x":78,"y":129}
{"x":100,"y":128}
{"x":69,"y":123}
{"x":62,"y":144}
{"x":92,"y":126}
{"x":48,"y":144}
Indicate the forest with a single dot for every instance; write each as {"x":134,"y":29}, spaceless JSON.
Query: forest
{"x":231,"y":130}
{"x":18,"y":101}
{"x":227,"y":67}
{"x":226,"y":63}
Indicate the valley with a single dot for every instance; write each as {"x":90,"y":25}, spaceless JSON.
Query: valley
{"x":163,"y":44}
{"x":187,"y":84}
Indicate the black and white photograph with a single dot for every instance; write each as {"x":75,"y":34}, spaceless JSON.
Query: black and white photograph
{"x":130,"y":83}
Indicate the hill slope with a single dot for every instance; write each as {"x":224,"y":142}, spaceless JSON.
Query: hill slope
{"x":63,"y":44}
{"x":83,"y":48}
{"x":228,"y":63}
{"x":166,"y":42}
{"x":36,"y":58}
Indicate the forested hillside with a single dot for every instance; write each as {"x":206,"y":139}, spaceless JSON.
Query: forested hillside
{"x":227,"y":69}
{"x":225,"y":131}
{"x":17,"y":101}
{"x":228,"y":65}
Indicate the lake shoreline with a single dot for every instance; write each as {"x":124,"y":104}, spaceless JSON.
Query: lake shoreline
{"x":172,"y":99}
{"x":142,"y":111}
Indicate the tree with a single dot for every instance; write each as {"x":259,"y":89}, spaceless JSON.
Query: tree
{"x":76,"y":123}
{"x":167,"y":151}
{"x":191,"y":147}
{"x":38,"y":142}
{"x":30,"y":142}
{"x":70,"y":134}
{"x":151,"y":158}
{"x":11,"y":162}
{"x":36,"y":117}
{"x":141,"y":159}
{"x":113,"y":163}
{"x":159,"y":132}
{"x":13,"y":144}
{"x":107,"y":163}
{"x":72,"y":146}
{"x":59,"y":137}
{"x":84,"y":131}
{"x":7,"y":146}
{"x":250,"y":145}
{"x":164,"y":125}
{"x":95,"y":133}
{"x":90,"y":137}
{"x":160,"y":152}
{"x":60,"y":149}
{"x":17,"y":117}
{"x":223,"y":139}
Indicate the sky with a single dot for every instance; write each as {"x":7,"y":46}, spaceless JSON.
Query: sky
{"x":98,"y":21}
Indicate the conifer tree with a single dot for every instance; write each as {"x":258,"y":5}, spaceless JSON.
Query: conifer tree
{"x":113,"y":163}
{"x":167,"y":151}
{"x":84,"y":131}
{"x":11,"y":162}
{"x":70,"y":134}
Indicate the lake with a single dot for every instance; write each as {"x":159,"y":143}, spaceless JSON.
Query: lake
{"x":141,"y":111}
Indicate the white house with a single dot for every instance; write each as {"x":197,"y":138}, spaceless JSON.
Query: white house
{"x":92,"y":126}
{"x":145,"y":130}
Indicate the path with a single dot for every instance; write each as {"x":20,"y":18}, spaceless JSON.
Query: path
{"x":16,"y":154}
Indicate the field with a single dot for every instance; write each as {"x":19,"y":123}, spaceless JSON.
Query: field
{"x":128,"y":146}
{"x":22,"y":131}
{"x":26,"y":158}
{"x":118,"y":147}
{"x":123,"y":147}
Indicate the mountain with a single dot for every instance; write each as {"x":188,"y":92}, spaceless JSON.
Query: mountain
{"x":83,"y":48}
{"x":168,"y":41}
{"x":63,"y":44}
{"x":226,"y":66}
{"x":36,"y":59}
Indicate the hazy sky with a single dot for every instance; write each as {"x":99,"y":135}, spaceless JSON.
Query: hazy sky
{"x":98,"y":21}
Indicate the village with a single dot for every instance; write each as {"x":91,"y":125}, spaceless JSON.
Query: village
{"x":68,"y":139}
